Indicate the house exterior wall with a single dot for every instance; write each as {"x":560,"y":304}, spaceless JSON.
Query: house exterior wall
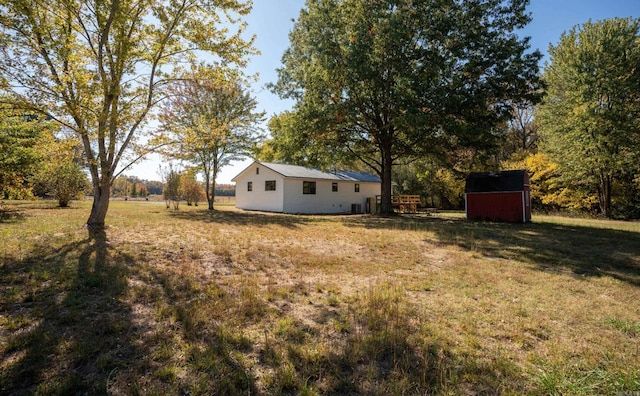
{"x":258,"y":198}
{"x":507,"y":206}
{"x":325,"y":200}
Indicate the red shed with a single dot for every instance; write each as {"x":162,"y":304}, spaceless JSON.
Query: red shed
{"x":498,"y":196}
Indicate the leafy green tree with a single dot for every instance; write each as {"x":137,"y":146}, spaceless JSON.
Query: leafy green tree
{"x":153,"y":187}
{"x":590,"y":119}
{"x":441,"y":186}
{"x":131,"y":186}
{"x":294,"y":142}
{"x":437,"y":186}
{"x":287,"y":143}
{"x":61,"y":174}
{"x":521,"y":133}
{"x":120,"y":186}
{"x":99,"y":68}
{"x":209,"y":121}
{"x":142,"y":190}
{"x":64,"y":180}
{"x":19,"y":155}
{"x":172,"y":190}
{"x":549,"y":192}
{"x":383,"y":80}
{"x":192,"y":190}
{"x":407,"y":181}
{"x":134,"y":190}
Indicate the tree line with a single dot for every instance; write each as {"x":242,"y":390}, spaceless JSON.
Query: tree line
{"x":134,"y":187}
{"x":420,"y":92}
{"x":436,"y":90}
{"x":99,"y":69}
{"x":37,"y":162}
{"x":580,"y":144}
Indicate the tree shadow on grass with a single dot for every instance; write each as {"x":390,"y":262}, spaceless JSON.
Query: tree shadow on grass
{"x":10,"y":216}
{"x":71,"y":326}
{"x":382,"y":364}
{"x":66,"y":327}
{"x":382,"y":350}
{"x":16,"y":211}
{"x":578,"y":250}
{"x":211,"y":339}
{"x":246,"y":218}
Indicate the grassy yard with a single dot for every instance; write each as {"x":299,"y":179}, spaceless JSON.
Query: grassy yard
{"x":231,"y":302}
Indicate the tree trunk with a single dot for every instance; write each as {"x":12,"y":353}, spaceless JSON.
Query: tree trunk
{"x":386,"y":206}
{"x":213,"y":193}
{"x":210,"y":187}
{"x":213,"y":186}
{"x":604,"y":194}
{"x":101,"y":193}
{"x":207,"y":191}
{"x":210,"y":174}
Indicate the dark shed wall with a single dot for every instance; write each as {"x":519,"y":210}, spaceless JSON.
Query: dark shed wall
{"x":498,"y":196}
{"x":498,"y":206}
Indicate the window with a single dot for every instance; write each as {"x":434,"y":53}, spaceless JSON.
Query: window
{"x":308,"y":187}
{"x":249,"y":186}
{"x":257,"y":171}
{"x":357,"y":187}
{"x":270,"y":185}
{"x":334,"y":187}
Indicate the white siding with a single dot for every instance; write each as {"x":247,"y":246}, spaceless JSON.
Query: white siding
{"x":289,"y":197}
{"x":325,"y":200}
{"x":258,"y":198}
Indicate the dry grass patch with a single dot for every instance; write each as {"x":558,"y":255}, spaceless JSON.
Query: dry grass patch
{"x":232,"y":302}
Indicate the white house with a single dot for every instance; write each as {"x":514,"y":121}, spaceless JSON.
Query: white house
{"x":297,"y":189}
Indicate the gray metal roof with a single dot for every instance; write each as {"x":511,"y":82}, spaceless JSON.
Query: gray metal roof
{"x":303,"y":172}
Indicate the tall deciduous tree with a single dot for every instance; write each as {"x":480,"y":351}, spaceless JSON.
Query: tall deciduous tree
{"x":192,"y":190}
{"x":294,"y":142}
{"x":99,"y":67}
{"x":61,"y":174}
{"x":390,"y":79}
{"x":521,"y":133}
{"x":19,"y":157}
{"x":172,"y":189}
{"x":590,"y":118}
{"x":209,"y":121}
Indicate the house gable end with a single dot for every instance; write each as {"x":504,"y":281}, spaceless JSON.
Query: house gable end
{"x":251,"y":167}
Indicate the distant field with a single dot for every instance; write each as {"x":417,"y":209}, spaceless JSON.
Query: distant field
{"x":223,"y":200}
{"x":233,"y":302}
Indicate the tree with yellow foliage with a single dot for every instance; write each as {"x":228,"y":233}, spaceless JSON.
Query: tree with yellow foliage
{"x":590,"y":118}
{"x":209,"y":121}
{"x":99,"y":68}
{"x":61,"y":175}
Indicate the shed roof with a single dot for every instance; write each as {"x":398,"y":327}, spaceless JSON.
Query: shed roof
{"x":302,"y":172}
{"x":512,"y":180}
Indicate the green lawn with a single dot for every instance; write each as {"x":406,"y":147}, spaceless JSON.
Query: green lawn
{"x":232,"y":302}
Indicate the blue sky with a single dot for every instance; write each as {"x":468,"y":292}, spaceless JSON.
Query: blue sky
{"x":272,"y":20}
